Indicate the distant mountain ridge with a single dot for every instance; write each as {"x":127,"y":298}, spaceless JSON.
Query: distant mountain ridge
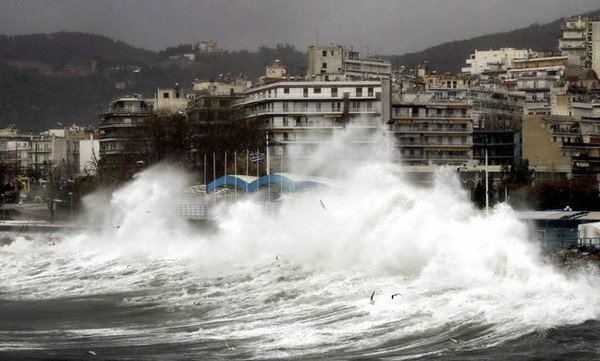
{"x":451,"y":56}
{"x":63,"y":47}
{"x":69,"y":77}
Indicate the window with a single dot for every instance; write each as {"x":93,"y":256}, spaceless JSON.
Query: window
{"x":165,"y":95}
{"x":355,"y":106}
{"x":286,"y":90}
{"x":359,"y":92}
{"x":285,"y":121}
{"x":324,"y":52}
{"x":319,"y":106}
{"x":324,"y":65}
{"x":317,"y":90}
{"x":334,"y":92}
{"x":285,"y":106}
{"x":335,"y":106}
{"x":305,"y":91}
{"x":369,"y":106}
{"x":370,"y":92}
{"x":286,"y":136}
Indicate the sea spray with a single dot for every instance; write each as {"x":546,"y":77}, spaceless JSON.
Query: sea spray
{"x":297,"y":280}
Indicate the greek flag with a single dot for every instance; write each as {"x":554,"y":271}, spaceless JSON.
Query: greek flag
{"x":257,"y":156}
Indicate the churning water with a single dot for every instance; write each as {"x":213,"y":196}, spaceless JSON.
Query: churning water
{"x":296,"y":282}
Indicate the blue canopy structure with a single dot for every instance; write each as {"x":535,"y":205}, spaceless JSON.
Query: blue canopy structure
{"x":251,"y":184}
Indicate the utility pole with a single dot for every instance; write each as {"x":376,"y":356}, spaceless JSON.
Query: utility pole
{"x":267,"y":155}
{"x":487,"y":195}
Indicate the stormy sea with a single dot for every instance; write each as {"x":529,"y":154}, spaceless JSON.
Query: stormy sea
{"x":371,"y":267}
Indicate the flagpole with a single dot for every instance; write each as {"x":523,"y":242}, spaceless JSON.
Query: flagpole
{"x":214,"y":176}
{"x":205,"y":185}
{"x":235,"y":172}
{"x":225,"y":176}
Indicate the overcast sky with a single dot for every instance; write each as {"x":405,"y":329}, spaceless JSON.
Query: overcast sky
{"x":385,"y":26}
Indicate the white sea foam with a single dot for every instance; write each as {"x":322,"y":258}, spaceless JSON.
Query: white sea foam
{"x":452,"y":263}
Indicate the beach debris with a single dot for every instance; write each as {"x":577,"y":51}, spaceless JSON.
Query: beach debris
{"x":454,"y":340}
{"x":92,"y":353}
{"x":229,"y":347}
{"x":396,"y":295}
{"x":373,"y":298}
{"x":322,"y":204}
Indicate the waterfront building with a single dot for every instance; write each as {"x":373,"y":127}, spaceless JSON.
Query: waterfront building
{"x":496,"y":118}
{"x":338,"y":60}
{"x":559,"y":147}
{"x":433,"y":131}
{"x":14,"y":153}
{"x":123,"y":142}
{"x":88,"y":154}
{"x":305,"y":114}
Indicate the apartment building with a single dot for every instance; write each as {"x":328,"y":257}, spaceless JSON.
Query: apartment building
{"x":337,"y":60}
{"x":14,"y":151}
{"x":537,"y":78}
{"x":482,"y":61}
{"x":559,"y":147}
{"x":432,"y":131}
{"x":122,"y":141}
{"x":304,"y":114}
{"x":171,"y":100}
{"x":576,"y":41}
{"x":497,"y":116}
{"x":595,"y":46}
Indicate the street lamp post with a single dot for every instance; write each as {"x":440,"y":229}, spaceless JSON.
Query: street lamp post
{"x":71,"y":197}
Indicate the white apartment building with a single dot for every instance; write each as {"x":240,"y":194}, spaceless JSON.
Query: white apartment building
{"x":89,"y":154}
{"x":536,"y":79}
{"x":305,"y":114}
{"x":575,"y":42}
{"x":336,"y":60}
{"x":495,"y":60}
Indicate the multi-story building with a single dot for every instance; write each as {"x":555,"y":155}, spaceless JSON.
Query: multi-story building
{"x":220,"y":88}
{"x":14,"y":153}
{"x":337,"y":60}
{"x":495,"y":60}
{"x":89,"y":156}
{"x":122,"y":138}
{"x":49,"y":152}
{"x":537,"y":78}
{"x":171,"y":100}
{"x":445,"y":81}
{"x":559,"y":147}
{"x":496,"y":121}
{"x":595,"y":46}
{"x":305,"y":114}
{"x":576,"y":41}
{"x":433,"y":131}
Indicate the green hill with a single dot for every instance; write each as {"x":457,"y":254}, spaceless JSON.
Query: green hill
{"x":70,"y":77}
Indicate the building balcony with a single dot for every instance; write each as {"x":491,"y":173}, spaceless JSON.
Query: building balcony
{"x":121,"y":123}
{"x":259,"y":98}
{"x":431,"y":128}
